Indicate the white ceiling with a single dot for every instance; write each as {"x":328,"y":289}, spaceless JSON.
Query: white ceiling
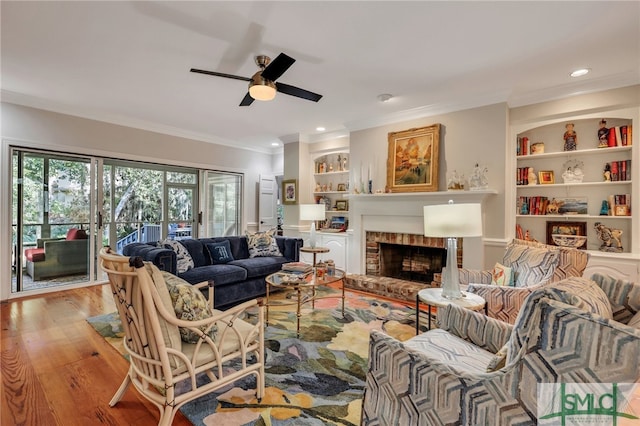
{"x":128,"y":62}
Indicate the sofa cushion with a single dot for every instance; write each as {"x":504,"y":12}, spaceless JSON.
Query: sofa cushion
{"x":531,"y":265}
{"x":220,"y":252}
{"x":170,"y":333}
{"x":260,"y":266}
{"x":183,"y":257}
{"x":189,"y":304}
{"x":450,"y":349}
{"x":220,"y":274}
{"x":76,"y":234}
{"x":263,"y":243}
{"x":34,"y":254}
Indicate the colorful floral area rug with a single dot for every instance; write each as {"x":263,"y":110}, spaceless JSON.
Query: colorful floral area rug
{"x":317,"y":379}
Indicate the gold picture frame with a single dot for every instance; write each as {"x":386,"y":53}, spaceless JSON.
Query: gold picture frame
{"x":290,"y":191}
{"x":412,"y":163}
{"x":546,"y":177}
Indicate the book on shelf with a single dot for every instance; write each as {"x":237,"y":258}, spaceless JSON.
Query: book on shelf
{"x":299,"y":267}
{"x":620,"y":136}
{"x":522,"y":147}
{"x":620,"y":170}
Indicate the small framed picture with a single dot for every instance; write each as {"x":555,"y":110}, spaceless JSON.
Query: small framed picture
{"x":342,"y":187}
{"x":342,"y":205}
{"x":290,"y":191}
{"x":621,"y":210}
{"x":546,"y":177}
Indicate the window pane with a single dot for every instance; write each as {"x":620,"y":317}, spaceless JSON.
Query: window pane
{"x":138,"y":195}
{"x":69,"y":188}
{"x":177,"y":177}
{"x":180,"y":204}
{"x":33,"y":189}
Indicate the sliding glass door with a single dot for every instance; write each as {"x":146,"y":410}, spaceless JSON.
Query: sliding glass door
{"x":51,"y":220}
{"x":65,"y":207}
{"x":223,"y":199}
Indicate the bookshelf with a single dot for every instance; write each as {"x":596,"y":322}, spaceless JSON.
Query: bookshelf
{"x":572,"y":186}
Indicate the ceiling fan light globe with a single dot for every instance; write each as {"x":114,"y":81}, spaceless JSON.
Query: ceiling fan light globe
{"x":261,"y":89}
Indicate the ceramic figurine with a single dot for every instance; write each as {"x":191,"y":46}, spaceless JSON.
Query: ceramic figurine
{"x":609,"y":237}
{"x":607,"y":172}
{"x":531,"y":177}
{"x":478,"y":180}
{"x":570,"y":138}
{"x":603,"y":134}
{"x":604,"y":208}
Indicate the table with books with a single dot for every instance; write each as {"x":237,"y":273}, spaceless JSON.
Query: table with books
{"x":302,"y":280}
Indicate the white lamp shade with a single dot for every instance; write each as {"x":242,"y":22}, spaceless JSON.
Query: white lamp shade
{"x":453,"y":220}
{"x":312,"y":211}
{"x":262,"y":92}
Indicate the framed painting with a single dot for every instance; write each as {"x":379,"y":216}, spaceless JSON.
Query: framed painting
{"x":290,"y":191}
{"x":569,"y":234}
{"x":412,"y":163}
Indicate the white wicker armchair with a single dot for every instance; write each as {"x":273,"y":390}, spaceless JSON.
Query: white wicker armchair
{"x":160,"y":360}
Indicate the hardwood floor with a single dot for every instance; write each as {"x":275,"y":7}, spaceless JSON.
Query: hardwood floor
{"x":56,"y":370}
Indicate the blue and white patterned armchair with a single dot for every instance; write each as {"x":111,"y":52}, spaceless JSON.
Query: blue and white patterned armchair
{"x":571,"y":331}
{"x":534,"y":264}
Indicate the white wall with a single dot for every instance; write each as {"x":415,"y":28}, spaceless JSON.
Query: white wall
{"x":467,"y":137}
{"x":35,"y":128}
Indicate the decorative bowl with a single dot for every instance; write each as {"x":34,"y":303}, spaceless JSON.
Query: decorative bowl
{"x":575,"y":241}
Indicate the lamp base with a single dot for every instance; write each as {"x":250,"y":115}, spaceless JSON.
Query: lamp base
{"x":451,"y":276}
{"x":312,"y":235}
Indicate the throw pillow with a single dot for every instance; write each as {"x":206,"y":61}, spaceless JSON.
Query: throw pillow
{"x":263,"y":244}
{"x":185,"y":261}
{"x":220,"y":252}
{"x":502,"y":275}
{"x":635,"y":321}
{"x":76,"y":234}
{"x":531,"y":265}
{"x":189,"y":304}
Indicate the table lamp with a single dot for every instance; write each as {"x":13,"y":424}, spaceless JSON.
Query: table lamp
{"x":452,"y":221}
{"x":312,"y":212}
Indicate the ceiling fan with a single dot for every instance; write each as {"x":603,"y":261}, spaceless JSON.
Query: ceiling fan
{"x":263,"y":85}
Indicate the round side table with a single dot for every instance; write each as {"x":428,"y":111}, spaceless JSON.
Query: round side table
{"x":433,"y":297}
{"x":315,"y":251}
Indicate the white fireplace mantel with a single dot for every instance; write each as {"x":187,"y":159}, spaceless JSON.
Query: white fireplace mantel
{"x":403,"y":212}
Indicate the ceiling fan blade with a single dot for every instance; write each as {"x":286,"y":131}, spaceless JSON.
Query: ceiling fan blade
{"x":277,"y":67}
{"x":247,"y":100}
{"x":297,"y":92}
{"x":220,"y":74}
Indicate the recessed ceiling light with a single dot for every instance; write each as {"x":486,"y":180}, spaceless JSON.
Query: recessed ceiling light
{"x":275,"y":144}
{"x":580,"y":72}
{"x":385,"y":97}
{"x":320,"y":129}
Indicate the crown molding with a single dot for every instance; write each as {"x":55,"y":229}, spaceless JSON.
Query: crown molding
{"x":60,"y":108}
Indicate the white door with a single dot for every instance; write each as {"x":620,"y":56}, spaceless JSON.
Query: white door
{"x":268,"y":200}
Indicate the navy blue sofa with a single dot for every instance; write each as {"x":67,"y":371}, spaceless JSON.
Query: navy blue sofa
{"x":235,"y":282}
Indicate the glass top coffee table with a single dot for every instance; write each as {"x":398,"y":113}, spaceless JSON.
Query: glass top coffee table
{"x":304,"y":287}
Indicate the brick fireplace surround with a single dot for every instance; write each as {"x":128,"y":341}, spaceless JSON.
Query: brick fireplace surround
{"x":394,"y":288}
{"x":398,"y":218}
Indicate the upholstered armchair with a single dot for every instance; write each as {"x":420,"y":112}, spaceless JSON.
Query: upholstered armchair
{"x":532,"y":264}
{"x":477,"y":370}
{"x":168,"y":353}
